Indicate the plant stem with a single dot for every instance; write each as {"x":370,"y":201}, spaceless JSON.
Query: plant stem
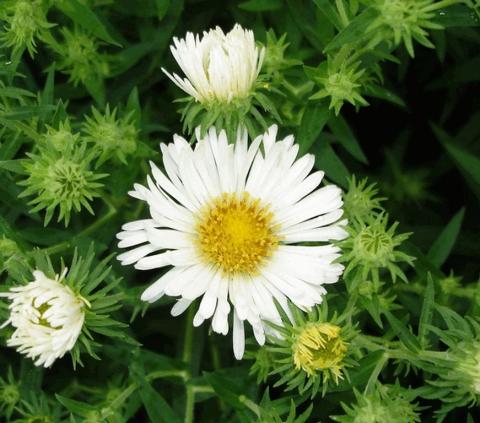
{"x":187,"y":358}
{"x":54,"y":249}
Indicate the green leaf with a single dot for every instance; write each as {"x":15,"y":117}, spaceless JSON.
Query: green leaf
{"x":354,"y":31}
{"x":346,"y":138}
{"x":457,"y":16}
{"x":261,"y":5}
{"x":467,"y":163}
{"x":162,"y":8}
{"x":157,"y":408}
{"x":441,"y":248}
{"x":76,"y":407}
{"x":403,"y":332}
{"x":314,"y":119}
{"x":82,"y":15}
{"x":14,"y":166}
{"x":327,"y":9}
{"x":359,"y":375}
{"x":427,"y":312}
{"x":229,"y":392}
{"x":384,"y":94}
{"x":327,"y":160}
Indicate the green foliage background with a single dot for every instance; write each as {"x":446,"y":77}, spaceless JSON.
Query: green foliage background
{"x":414,"y":130}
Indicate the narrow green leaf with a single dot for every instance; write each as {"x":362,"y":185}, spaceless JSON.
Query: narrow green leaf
{"x":14,"y":166}
{"x":327,"y":160}
{"x":457,"y":16}
{"x":466,"y":162}
{"x":441,"y":248}
{"x":353,"y":32}
{"x":314,"y":119}
{"x":261,"y":5}
{"x":82,"y":15}
{"x":328,"y":10}
{"x":427,"y":311}
{"x":162,"y":8}
{"x":346,"y":138}
{"x":157,"y":408}
{"x":384,"y":94}
{"x":403,"y":332}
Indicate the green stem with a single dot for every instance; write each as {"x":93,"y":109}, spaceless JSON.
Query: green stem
{"x":54,"y":249}
{"x":187,"y":358}
{"x":342,"y":13}
{"x":189,"y":404}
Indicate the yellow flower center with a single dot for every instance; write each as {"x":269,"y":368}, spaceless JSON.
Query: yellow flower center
{"x":319,"y":346}
{"x":236,"y":233}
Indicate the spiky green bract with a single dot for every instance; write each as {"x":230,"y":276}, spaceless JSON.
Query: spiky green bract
{"x":111,"y":136}
{"x":78,"y":57}
{"x":35,"y":408}
{"x":9,"y":394}
{"x":275,"y":63}
{"x":23,"y":22}
{"x":405,"y":21}
{"x":373,"y":246}
{"x":94,"y":283}
{"x":60,"y":176}
{"x":387,"y":403}
{"x":457,"y":381}
{"x":361,"y":201}
{"x":263,"y":363}
{"x":60,"y":137}
{"x":248,"y":112}
{"x":268,"y":413}
{"x":312,"y":350}
{"x":342,"y":79}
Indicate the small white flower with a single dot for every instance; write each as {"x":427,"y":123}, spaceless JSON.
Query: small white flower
{"x":218,"y":67}
{"x":226,"y":217}
{"x":47,"y":316}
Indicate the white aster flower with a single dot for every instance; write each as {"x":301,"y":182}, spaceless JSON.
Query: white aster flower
{"x":218,"y":67}
{"x":47,"y":316}
{"x":226,"y":217}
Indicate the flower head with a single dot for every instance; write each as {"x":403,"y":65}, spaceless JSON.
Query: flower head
{"x":111,"y":135}
{"x":60,"y":175}
{"x":361,"y":200}
{"x":218,"y":67}
{"x":10,"y":394}
{"x":311,"y":351}
{"x":405,"y":21}
{"x":23,"y":21}
{"x":79,"y":57}
{"x":47,"y":316}
{"x":458,"y":375}
{"x":319,"y":346}
{"x":373,"y":246}
{"x":387,"y":403}
{"x":227,"y":218}
{"x":57,"y":313}
{"x":222,"y":81}
{"x":275,"y":61}
{"x":341,"y":80}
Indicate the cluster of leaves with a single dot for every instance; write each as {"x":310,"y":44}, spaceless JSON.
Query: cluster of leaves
{"x":374,"y":88}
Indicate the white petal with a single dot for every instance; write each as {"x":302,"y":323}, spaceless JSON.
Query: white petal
{"x":238,"y":337}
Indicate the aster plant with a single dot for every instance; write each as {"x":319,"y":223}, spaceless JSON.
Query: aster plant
{"x":256,"y":211}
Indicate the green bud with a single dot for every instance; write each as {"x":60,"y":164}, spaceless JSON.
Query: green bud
{"x":79,"y":57}
{"x":360,"y":200}
{"x":388,"y":403}
{"x":61,"y":178}
{"x":373,"y":246}
{"x":403,"y":21}
{"x":341,"y":80}
{"x":111,"y":136}
{"x":24,"y":20}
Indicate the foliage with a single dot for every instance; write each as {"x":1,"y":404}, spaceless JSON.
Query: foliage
{"x":383,"y":93}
